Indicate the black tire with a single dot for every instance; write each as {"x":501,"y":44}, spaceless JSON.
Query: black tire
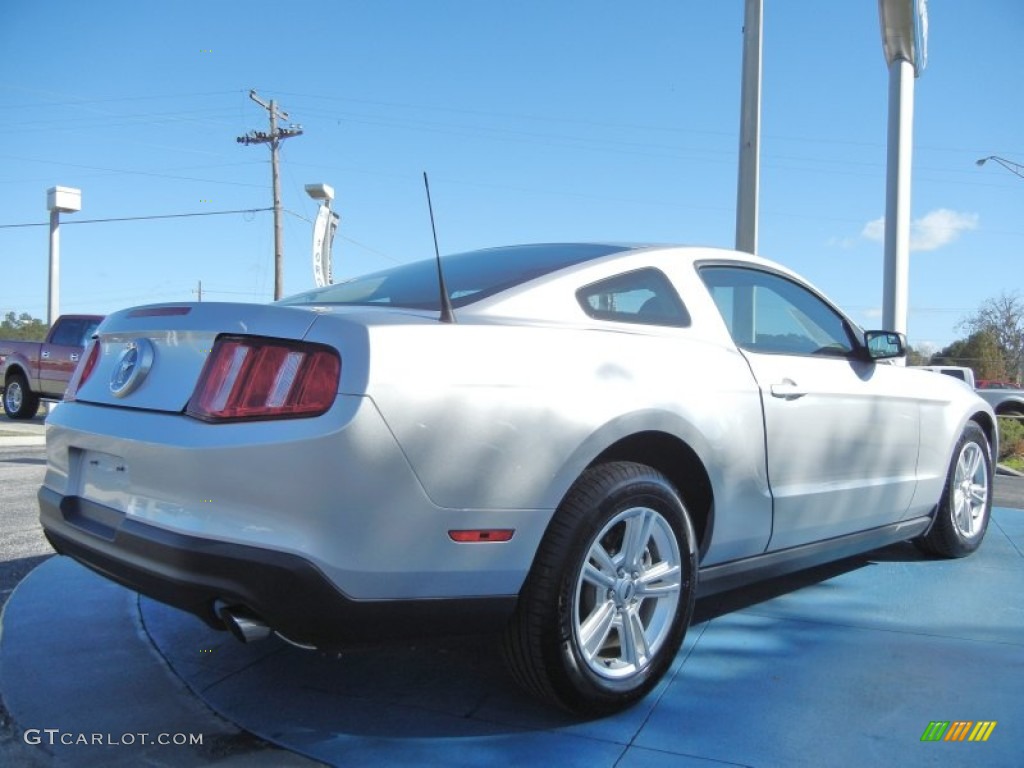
{"x":19,"y":401}
{"x":966,"y":505}
{"x":633,"y":604}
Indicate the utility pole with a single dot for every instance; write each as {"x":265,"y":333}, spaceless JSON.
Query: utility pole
{"x":750,"y":130}
{"x":905,"y":45}
{"x":199,"y":291}
{"x":274,"y":139}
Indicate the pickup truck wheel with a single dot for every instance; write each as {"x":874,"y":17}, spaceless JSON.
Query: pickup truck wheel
{"x":966,"y":505}
{"x":19,"y":402}
{"x":610,"y":594}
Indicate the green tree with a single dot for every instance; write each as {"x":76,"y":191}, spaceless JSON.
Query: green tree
{"x":915,"y":357}
{"x":23,"y":327}
{"x":980,"y":351}
{"x":1002,"y":317}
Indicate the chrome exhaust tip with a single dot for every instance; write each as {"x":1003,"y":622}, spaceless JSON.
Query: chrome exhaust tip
{"x":246,"y":627}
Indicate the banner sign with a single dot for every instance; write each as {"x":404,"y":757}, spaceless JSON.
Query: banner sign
{"x":324,"y":227}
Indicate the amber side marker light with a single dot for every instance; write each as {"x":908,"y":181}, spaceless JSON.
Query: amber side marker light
{"x":481,"y":535}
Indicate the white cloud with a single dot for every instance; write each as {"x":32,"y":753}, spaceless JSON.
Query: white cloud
{"x":933,"y":230}
{"x":941,"y":226}
{"x":846,"y":243}
{"x":874,"y":230}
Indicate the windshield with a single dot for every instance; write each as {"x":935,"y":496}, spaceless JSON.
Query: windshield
{"x":469,"y":276}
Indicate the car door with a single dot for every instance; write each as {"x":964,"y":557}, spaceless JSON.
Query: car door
{"x":841,"y":431}
{"x":58,"y":358}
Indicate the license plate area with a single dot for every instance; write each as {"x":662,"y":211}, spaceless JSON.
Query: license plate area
{"x":93,"y":518}
{"x":101,"y":477}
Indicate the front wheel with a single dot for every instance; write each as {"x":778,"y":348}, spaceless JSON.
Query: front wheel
{"x":19,"y":401}
{"x":966,"y":505}
{"x":610,"y":595}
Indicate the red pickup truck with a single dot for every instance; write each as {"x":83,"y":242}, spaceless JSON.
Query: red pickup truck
{"x":31,"y":371}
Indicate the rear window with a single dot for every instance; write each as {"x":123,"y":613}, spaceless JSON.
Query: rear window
{"x":469,"y":276}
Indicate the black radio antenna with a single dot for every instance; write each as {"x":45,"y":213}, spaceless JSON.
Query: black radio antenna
{"x":447,"y":313}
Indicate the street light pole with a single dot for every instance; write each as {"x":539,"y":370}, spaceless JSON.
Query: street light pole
{"x":904,"y":41}
{"x":53,"y":281}
{"x":1014,"y":168}
{"x":58,"y":200}
{"x":896,"y":280}
{"x":750,"y":130}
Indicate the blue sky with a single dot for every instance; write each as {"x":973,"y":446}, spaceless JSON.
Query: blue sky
{"x":537,"y":121}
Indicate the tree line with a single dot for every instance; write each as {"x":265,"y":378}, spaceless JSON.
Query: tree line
{"x":23,"y":327}
{"x":994,"y":346}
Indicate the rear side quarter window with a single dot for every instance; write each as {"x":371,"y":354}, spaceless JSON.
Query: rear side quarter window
{"x":643,"y":296}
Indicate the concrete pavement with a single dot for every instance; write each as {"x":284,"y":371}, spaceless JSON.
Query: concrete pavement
{"x":22,"y":433}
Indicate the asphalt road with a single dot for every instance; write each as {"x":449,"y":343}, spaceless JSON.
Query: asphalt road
{"x":1009,"y":492}
{"x":22,"y":545}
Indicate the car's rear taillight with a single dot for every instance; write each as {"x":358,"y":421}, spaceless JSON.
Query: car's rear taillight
{"x":83,"y":371}
{"x":248,"y":377}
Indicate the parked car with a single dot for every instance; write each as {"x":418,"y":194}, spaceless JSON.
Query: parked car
{"x":39,"y":370}
{"x":990,"y":384}
{"x":1005,"y":399}
{"x":601,"y":434}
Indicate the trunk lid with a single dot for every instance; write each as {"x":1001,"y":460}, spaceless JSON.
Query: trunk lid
{"x":175,"y":340}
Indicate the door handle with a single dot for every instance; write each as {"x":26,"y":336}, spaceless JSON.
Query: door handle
{"x":45,"y":354}
{"x":787,"y":389}
{"x":74,"y":357}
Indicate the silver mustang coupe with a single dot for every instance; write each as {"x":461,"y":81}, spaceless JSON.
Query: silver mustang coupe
{"x":565,"y":443}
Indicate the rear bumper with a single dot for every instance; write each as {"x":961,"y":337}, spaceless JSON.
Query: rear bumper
{"x":286,"y":591}
{"x":336,"y":491}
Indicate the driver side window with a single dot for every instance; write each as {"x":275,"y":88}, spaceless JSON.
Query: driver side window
{"x":769,"y":313}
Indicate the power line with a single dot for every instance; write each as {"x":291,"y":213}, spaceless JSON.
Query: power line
{"x":549,"y":119}
{"x":75,"y":101}
{"x":141,"y":218}
{"x":156,"y":174}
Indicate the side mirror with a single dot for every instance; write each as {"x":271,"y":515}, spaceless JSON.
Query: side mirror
{"x":882,"y":345}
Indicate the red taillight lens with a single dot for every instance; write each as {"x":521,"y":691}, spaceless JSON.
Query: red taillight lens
{"x":247,"y":377}
{"x":83,"y":371}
